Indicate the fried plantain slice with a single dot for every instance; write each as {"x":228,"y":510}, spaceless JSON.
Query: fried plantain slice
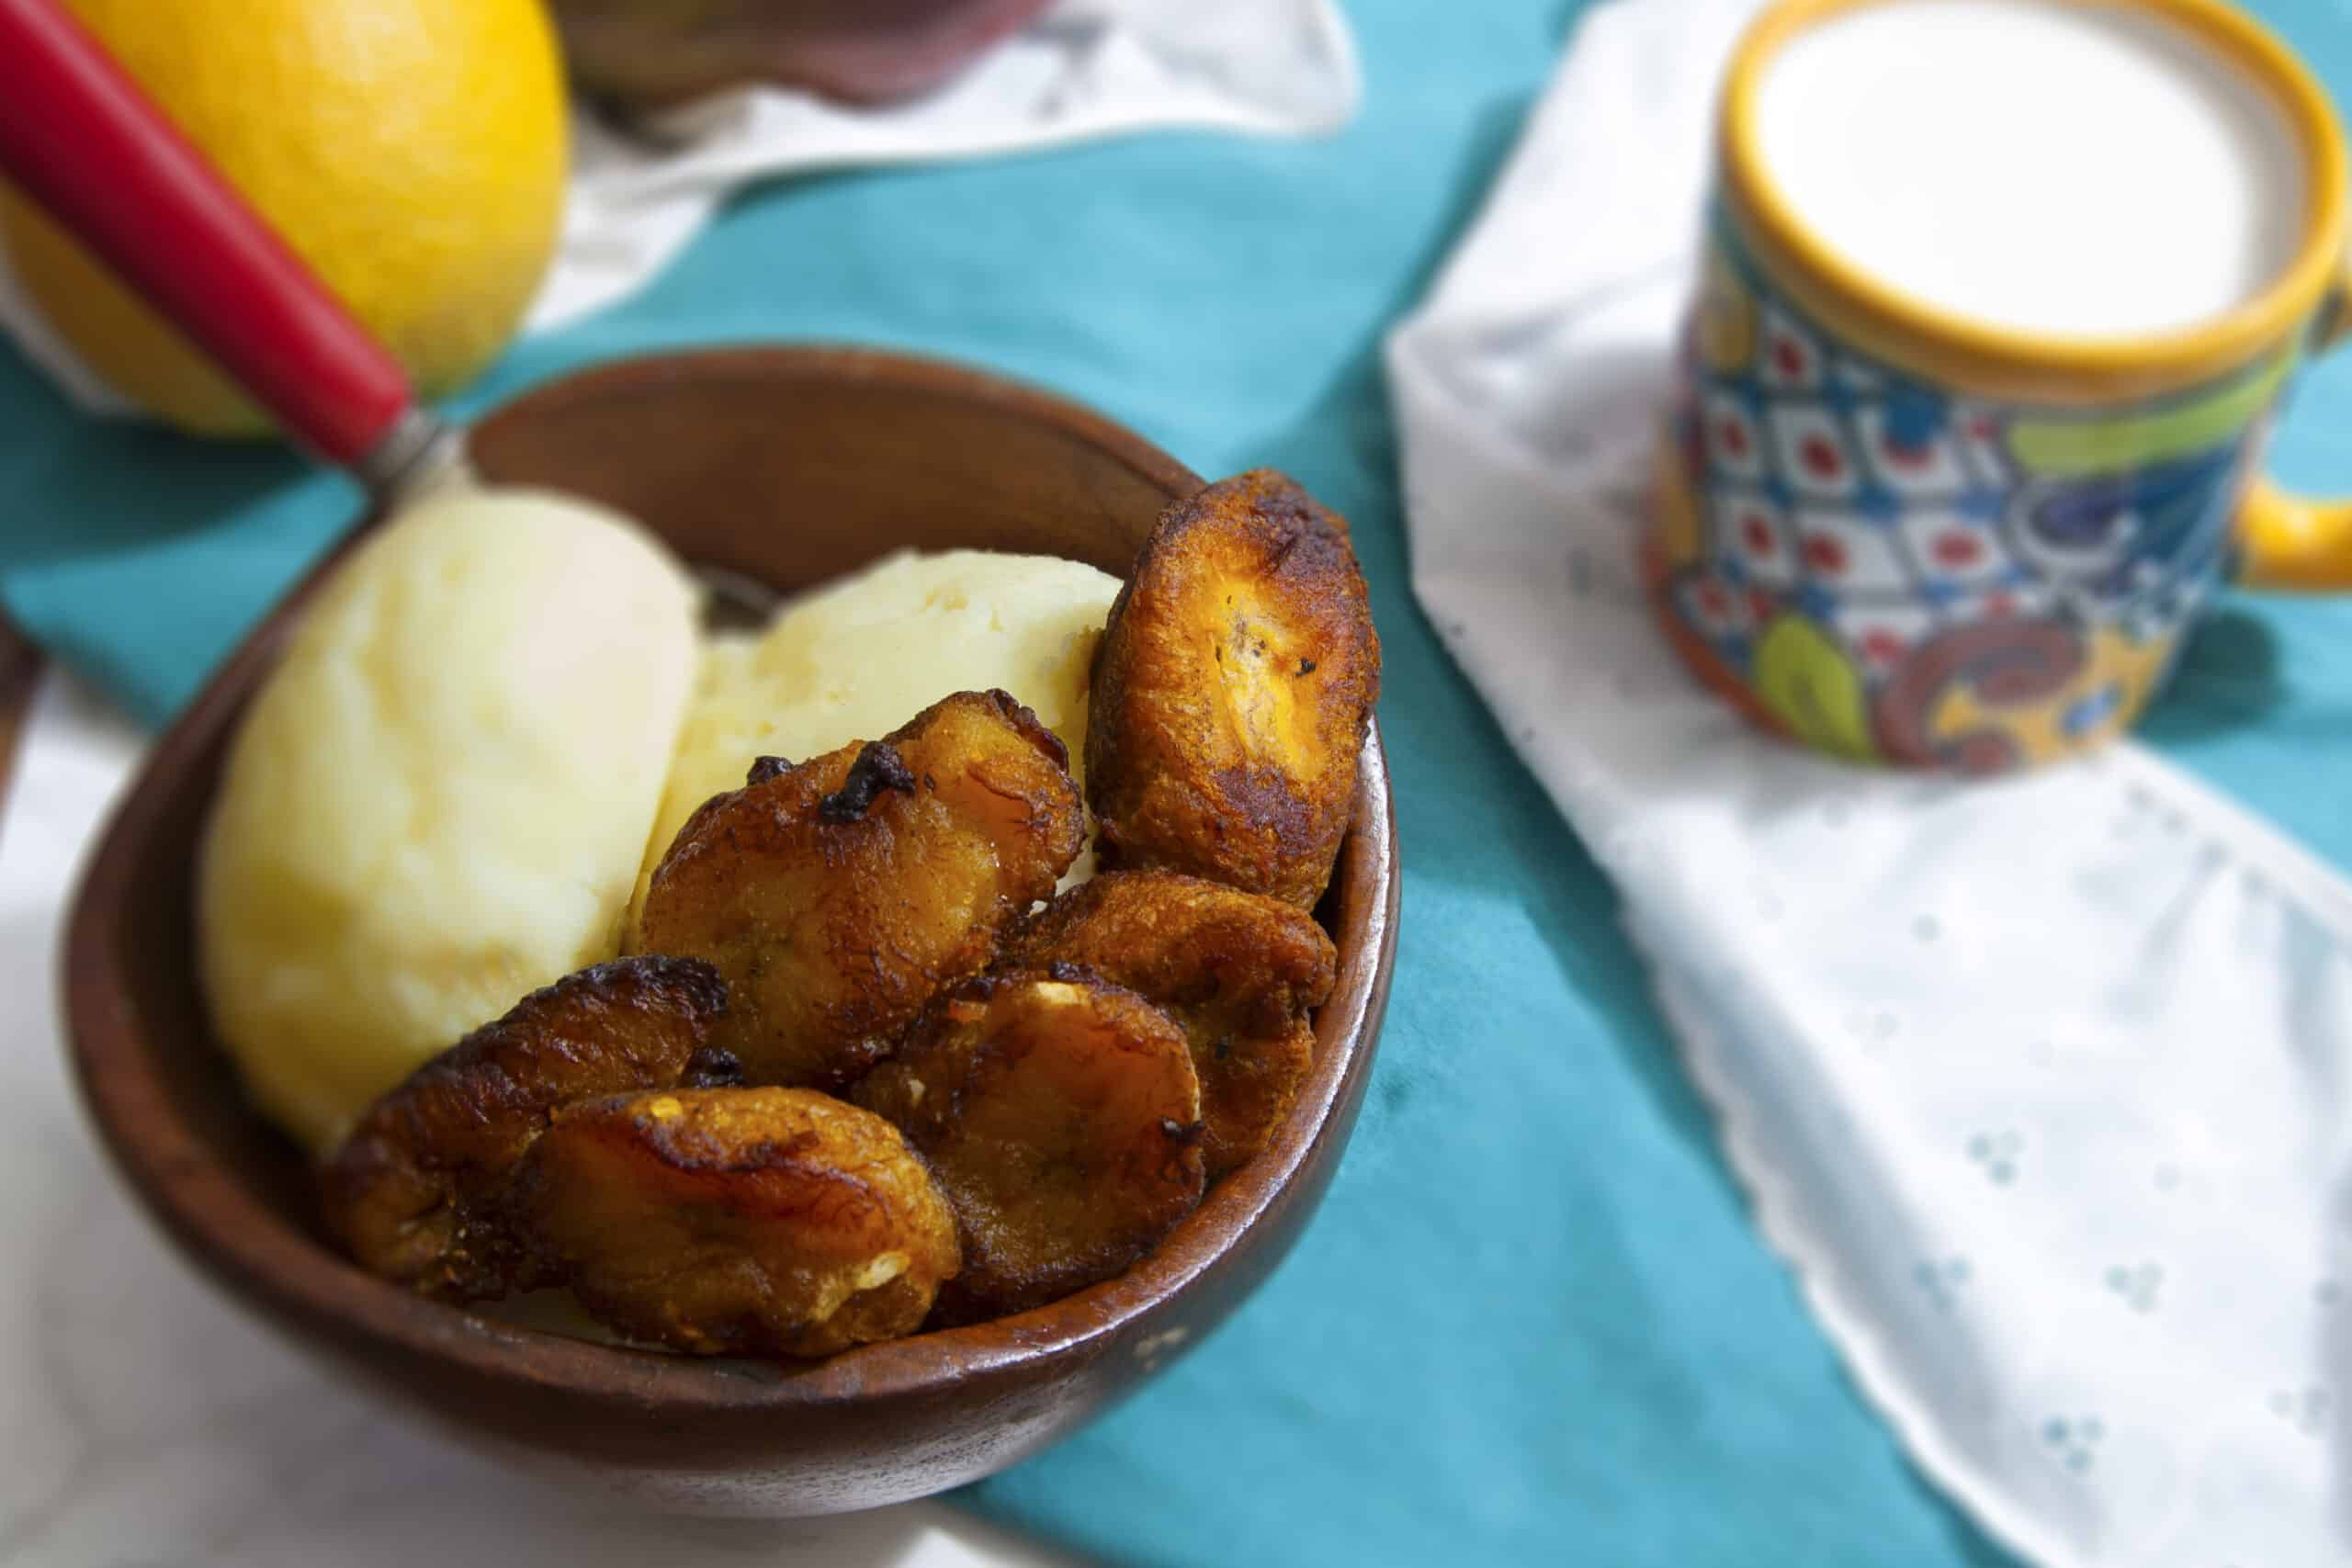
{"x":838,"y":895}
{"x":1061,"y":1118}
{"x":1232,"y":693}
{"x":415,"y":1191}
{"x":769,"y":1222}
{"x":1239,"y":972}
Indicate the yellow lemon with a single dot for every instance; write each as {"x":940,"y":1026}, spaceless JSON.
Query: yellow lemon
{"x":411,"y":152}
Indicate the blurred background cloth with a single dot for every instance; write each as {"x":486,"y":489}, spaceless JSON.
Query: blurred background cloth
{"x":2037,"y":1083}
{"x":1534,"y":1321}
{"x":1084,"y":69}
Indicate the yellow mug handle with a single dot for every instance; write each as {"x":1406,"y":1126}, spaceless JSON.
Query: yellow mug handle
{"x":2293,"y":541}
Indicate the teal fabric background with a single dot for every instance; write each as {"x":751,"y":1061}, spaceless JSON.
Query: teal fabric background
{"x":1532,"y":1323}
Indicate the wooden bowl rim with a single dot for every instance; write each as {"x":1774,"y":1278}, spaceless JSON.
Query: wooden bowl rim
{"x":230,"y":1230}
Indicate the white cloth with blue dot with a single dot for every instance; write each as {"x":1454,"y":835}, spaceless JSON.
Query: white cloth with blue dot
{"x":2039,"y":1086}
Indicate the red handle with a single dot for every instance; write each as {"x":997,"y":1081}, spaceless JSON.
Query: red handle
{"x":85,"y":143}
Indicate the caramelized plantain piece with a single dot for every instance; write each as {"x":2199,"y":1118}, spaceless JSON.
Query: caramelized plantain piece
{"x":1239,"y":972}
{"x":416,"y":1191}
{"x":838,"y":895}
{"x":775,"y":1222}
{"x":1232,"y":693}
{"x":1062,"y":1120}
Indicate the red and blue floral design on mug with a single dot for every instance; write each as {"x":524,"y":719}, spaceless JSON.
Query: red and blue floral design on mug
{"x":1894,"y":570}
{"x":1906,"y":537}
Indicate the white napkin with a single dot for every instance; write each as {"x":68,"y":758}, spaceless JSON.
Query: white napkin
{"x":1084,"y":69}
{"x":2039,"y":1086}
{"x":143,"y":1418}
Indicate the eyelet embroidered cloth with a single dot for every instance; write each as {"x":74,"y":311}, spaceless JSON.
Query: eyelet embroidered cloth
{"x":2037,"y":1086}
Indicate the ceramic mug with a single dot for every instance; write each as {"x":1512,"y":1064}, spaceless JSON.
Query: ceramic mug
{"x":1905,"y":535}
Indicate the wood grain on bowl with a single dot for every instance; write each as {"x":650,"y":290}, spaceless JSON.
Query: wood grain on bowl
{"x":19,"y":674}
{"x":789,"y":465}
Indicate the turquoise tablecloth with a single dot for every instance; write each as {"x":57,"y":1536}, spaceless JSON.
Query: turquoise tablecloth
{"x":1532,"y":1322}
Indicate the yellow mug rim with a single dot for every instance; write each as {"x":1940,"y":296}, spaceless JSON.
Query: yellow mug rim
{"x":1974,"y":351}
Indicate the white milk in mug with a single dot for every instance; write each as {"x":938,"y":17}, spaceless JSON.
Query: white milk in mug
{"x":2076,"y":169}
{"x":2000,"y":301}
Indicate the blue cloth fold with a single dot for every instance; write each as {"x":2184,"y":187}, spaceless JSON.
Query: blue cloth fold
{"x":1532,"y":1323}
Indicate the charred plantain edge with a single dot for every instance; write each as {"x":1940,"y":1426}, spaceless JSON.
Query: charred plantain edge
{"x":879,"y":768}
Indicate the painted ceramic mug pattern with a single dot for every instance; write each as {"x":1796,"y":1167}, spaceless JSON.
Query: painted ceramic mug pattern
{"x":1905,"y":537}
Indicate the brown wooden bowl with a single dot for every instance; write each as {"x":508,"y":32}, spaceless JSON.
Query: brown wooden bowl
{"x":791,"y":465}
